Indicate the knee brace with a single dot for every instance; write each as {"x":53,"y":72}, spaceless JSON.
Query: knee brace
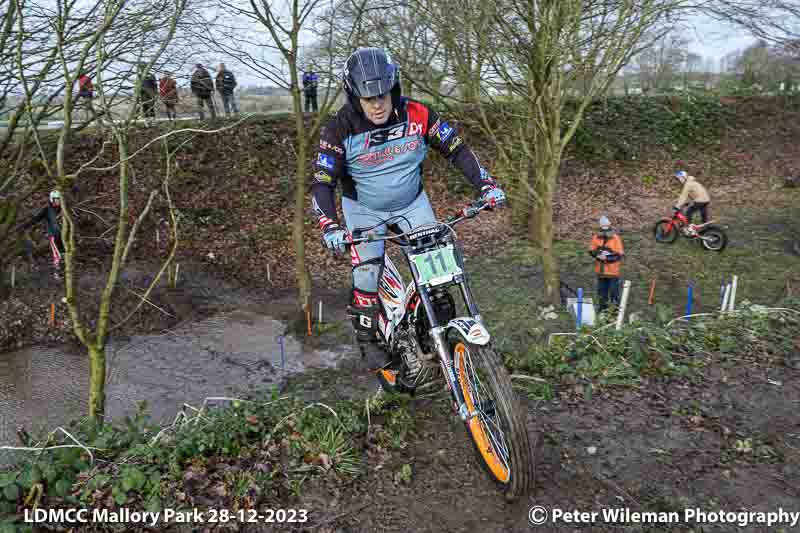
{"x":364,"y":307}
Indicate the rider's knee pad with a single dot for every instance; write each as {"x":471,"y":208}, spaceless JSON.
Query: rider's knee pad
{"x":366,"y":275}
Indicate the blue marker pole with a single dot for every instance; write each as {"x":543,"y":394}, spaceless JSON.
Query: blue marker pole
{"x":283,"y":357}
{"x":579,"y":311}
{"x":689,"y":300}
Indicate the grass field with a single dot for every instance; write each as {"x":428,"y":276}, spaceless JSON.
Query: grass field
{"x":508,"y":284}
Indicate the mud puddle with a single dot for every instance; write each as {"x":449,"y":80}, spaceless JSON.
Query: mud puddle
{"x":226,"y":354}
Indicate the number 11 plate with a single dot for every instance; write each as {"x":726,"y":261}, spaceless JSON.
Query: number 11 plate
{"x":437,"y":266}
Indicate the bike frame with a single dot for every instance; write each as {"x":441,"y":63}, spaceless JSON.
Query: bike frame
{"x":680,"y":220}
{"x":421,"y":294}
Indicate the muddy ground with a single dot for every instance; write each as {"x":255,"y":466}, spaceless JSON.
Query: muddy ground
{"x":725,"y":438}
{"x":665,"y":446}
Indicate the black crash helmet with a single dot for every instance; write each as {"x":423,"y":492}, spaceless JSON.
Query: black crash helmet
{"x":370,"y":72}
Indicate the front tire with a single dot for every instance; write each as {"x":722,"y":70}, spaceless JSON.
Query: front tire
{"x":663,"y":232}
{"x":713,"y":239}
{"x":498,"y":432}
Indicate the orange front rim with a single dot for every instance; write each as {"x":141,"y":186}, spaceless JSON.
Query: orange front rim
{"x":476,"y":427}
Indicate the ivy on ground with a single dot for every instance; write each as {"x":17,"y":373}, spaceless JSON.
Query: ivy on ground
{"x":241,"y":456}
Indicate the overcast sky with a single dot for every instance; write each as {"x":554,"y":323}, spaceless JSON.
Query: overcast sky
{"x":709,"y":38}
{"x":712,"y":39}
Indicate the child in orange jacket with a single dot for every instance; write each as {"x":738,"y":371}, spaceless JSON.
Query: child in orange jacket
{"x":607,"y":250}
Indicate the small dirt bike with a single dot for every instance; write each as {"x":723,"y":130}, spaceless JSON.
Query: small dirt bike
{"x":711,"y":236}
{"x":417,"y":327}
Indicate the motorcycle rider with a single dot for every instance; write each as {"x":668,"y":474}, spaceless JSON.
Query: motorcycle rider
{"x":375,"y":146}
{"x":695,"y":193}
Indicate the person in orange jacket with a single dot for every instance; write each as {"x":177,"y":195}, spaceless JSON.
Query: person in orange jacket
{"x":608,"y":252}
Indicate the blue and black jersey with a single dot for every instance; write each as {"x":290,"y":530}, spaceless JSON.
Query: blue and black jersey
{"x":381,"y":166}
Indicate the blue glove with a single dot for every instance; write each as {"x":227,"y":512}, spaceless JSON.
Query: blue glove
{"x":493,"y":195}
{"x":334,"y":238}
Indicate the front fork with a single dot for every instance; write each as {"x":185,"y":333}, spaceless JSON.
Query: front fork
{"x":446,"y":359}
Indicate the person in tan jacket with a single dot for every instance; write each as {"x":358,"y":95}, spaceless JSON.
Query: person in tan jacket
{"x":695,"y":194}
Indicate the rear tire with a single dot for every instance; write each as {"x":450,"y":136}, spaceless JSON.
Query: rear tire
{"x":720,"y":239}
{"x":662,"y":234}
{"x":498,"y":433}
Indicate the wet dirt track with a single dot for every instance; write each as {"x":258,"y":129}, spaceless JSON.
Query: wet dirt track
{"x":224,"y":355}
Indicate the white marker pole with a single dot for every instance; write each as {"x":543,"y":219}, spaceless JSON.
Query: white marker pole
{"x":726,"y":297}
{"x":733,"y":293}
{"x":269,"y":277}
{"x":625,"y":292}
{"x":13,"y":274}
{"x":320,"y":312}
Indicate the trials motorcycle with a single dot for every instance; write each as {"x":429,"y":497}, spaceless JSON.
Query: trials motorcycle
{"x":711,"y":235}
{"x":418,"y":327}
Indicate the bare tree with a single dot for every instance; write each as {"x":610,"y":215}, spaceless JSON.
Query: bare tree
{"x":403,"y":28}
{"x":660,"y":63}
{"x":31,"y":91}
{"x":775,"y":21}
{"x":542,"y":48}
{"x":765,"y":66}
{"x":114,"y":36}
{"x":275,"y":31}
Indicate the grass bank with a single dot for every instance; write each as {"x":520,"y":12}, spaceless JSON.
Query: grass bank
{"x":253,"y":453}
{"x":508,"y":287}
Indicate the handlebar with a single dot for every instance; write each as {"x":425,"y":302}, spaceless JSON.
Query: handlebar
{"x":470,"y":211}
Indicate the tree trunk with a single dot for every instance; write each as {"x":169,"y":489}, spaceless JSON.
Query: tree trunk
{"x":97,"y":382}
{"x":541,"y":228}
{"x":303,"y":279}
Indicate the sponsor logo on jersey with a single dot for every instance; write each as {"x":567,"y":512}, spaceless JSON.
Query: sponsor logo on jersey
{"x":414,"y":128}
{"x":379,"y":137}
{"x":325,"y":161}
{"x":323,"y":177}
{"x":325,"y":145}
{"x":445,"y":131}
{"x":388,"y":154}
{"x":455,"y":144}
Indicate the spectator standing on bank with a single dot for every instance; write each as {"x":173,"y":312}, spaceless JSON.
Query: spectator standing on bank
{"x":202,"y":86}
{"x":310,"y":82}
{"x":148,"y":95}
{"x":226,"y":83}
{"x":168,"y":90}
{"x":86,"y":94}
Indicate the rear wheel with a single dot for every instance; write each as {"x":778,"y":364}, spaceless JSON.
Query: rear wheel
{"x":498,"y":430}
{"x":713,"y":239}
{"x":663,"y":232}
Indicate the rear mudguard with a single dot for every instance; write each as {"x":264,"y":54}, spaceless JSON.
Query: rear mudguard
{"x":472,"y":330}
{"x":711,"y":226}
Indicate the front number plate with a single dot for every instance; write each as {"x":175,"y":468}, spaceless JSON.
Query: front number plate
{"x":436,"y":266}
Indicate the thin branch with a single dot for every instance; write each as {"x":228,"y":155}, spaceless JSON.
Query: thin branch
{"x":167,"y":135}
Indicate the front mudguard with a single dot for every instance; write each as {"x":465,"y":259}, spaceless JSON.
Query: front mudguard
{"x":472,"y":330}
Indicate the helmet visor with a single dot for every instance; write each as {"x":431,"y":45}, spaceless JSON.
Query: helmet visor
{"x":370,"y":74}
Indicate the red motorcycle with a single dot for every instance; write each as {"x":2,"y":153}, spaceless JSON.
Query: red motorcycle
{"x":710,"y":235}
